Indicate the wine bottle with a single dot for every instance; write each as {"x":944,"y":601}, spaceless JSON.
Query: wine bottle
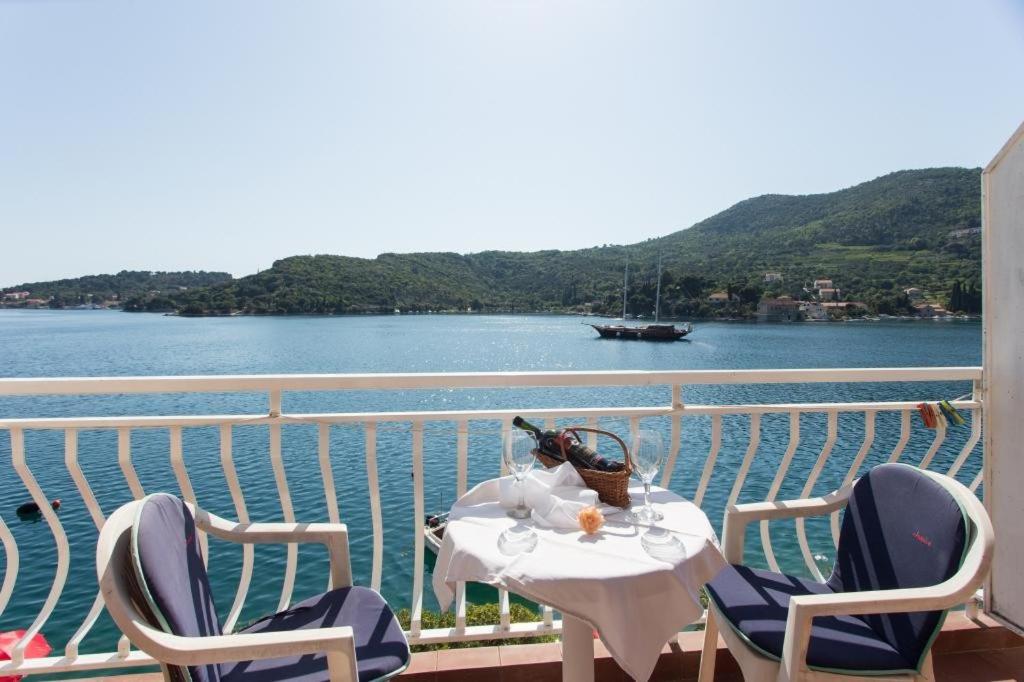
{"x":546,"y":442}
{"x":550,"y":443}
{"x":584,"y":457}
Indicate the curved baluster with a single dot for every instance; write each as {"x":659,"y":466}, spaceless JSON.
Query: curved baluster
{"x":96,"y":513}
{"x":709,"y":464}
{"x":419,"y":513}
{"x":973,"y":487}
{"x":673,"y":449}
{"x":370,"y":431}
{"x":968,"y":446}
{"x":752,"y":443}
{"x":858,"y":460}
{"x":327,"y":473}
{"x":227,"y":464}
{"x":592,"y":437}
{"x":461,"y":483}
{"x":780,"y":475}
{"x":11,"y":557}
{"x":940,"y":436}
{"x":897,"y":451}
{"x":801,"y":529}
{"x":462,"y":457}
{"x":288,"y":514}
{"x":59,"y":537}
{"x":185,"y":483}
{"x":284,"y":495}
{"x":506,"y":426}
{"x":323,"y":450}
{"x":124,"y":460}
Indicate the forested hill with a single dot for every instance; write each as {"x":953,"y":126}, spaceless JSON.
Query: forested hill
{"x":916,"y":228}
{"x":122,"y":286}
{"x":907,"y":229}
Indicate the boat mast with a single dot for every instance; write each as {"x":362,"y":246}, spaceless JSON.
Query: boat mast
{"x":625,"y":286}
{"x":657,"y":296}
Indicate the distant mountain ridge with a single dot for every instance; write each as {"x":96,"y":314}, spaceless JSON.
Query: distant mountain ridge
{"x":873,"y":240}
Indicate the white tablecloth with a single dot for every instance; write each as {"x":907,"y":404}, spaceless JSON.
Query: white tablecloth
{"x":635,"y":602}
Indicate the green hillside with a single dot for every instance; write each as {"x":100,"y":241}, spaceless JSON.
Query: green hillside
{"x":873,"y":240}
{"x":122,"y":286}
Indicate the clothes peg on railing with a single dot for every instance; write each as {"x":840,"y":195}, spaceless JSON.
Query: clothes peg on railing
{"x":940,"y":415}
{"x":952,"y":414}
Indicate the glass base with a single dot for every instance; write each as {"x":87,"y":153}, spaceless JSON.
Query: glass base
{"x":640,"y":515}
{"x":661,"y":544}
{"x":519,"y":539}
{"x":519,"y":513}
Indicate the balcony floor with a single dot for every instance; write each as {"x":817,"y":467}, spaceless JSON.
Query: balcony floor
{"x":965,"y":651}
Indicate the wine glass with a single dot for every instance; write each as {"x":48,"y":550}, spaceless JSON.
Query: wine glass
{"x":647,"y":456}
{"x":519,"y":459}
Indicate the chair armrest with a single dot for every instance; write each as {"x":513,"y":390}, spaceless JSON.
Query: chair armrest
{"x":338,"y":643}
{"x":738,"y":516}
{"x":333,"y":535}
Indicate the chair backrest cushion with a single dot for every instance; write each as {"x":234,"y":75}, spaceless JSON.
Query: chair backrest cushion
{"x":171,"y":576}
{"x":901,"y":529}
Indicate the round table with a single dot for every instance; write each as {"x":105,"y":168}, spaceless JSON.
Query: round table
{"x":598,"y":582}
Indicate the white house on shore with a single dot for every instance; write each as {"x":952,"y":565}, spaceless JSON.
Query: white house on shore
{"x":830,"y":294}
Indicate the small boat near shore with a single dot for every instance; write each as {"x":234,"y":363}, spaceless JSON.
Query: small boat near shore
{"x":433,"y":530}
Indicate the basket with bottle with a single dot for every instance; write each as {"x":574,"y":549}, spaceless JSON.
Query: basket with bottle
{"x":610,"y":479}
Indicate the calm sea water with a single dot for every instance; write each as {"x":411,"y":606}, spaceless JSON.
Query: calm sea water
{"x":101,"y":343}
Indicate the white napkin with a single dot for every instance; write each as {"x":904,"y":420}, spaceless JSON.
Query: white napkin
{"x":556,"y":496}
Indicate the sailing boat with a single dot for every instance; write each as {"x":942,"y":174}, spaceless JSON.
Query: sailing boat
{"x":650,"y":332}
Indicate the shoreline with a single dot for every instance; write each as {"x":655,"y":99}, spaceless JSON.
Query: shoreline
{"x":584,"y":317}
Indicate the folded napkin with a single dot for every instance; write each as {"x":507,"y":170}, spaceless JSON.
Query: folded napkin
{"x":555,"y":496}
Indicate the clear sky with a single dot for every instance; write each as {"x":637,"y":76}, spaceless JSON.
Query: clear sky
{"x":223,"y":135}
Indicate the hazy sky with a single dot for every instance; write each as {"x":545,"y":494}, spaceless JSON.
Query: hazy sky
{"x":224,"y":135}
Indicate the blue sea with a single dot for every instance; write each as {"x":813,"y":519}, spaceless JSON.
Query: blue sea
{"x":107,"y":343}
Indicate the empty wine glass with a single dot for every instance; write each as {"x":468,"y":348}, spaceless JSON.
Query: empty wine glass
{"x":519,"y":459}
{"x":647,"y":455}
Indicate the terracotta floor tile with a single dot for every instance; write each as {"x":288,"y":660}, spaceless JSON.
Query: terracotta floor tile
{"x":514,"y":654}
{"x":479,"y":664}
{"x":423,"y":667}
{"x":970,"y":667}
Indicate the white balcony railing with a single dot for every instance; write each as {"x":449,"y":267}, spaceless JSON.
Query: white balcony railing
{"x":345,"y":465}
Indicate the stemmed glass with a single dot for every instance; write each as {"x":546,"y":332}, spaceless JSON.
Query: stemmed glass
{"x":519,"y":459}
{"x":647,"y":455}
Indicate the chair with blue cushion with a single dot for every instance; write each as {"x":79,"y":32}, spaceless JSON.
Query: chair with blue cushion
{"x":154,"y":582}
{"x":912,"y":544}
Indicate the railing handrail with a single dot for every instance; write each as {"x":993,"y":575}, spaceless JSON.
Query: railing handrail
{"x":448,"y":380}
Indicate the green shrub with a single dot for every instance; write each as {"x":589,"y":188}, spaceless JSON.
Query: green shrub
{"x":476,"y":614}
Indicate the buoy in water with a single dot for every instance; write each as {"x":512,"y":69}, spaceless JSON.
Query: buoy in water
{"x":31,"y":508}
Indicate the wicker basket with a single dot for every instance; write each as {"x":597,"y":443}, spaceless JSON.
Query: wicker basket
{"x":612,"y":486}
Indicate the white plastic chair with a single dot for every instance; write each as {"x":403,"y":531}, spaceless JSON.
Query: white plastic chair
{"x":284,"y":646}
{"x":883,"y":554}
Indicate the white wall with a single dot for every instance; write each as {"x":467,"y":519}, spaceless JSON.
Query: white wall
{"x":1003,"y":268}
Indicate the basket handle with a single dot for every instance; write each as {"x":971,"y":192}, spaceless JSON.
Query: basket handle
{"x":574,"y":430}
